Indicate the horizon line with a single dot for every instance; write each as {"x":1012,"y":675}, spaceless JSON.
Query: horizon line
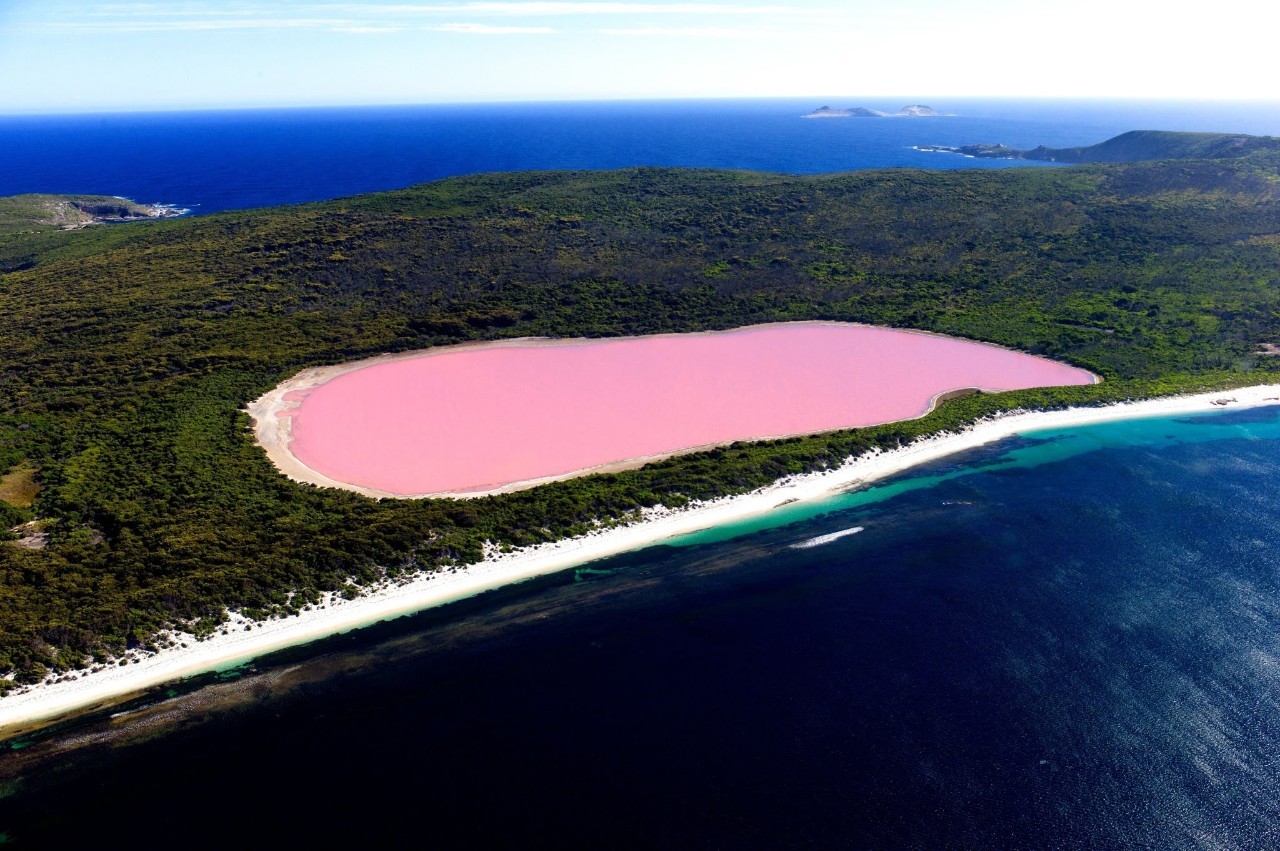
{"x":587,"y":99}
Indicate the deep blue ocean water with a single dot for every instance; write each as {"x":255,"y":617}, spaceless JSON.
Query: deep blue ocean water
{"x":210,"y":161}
{"x":1066,"y":640}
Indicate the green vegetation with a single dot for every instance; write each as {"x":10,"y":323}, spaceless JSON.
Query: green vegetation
{"x":1139,"y":145}
{"x":28,"y":213}
{"x":1134,"y":146}
{"x":127,"y":353}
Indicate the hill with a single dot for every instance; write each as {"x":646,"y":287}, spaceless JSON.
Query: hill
{"x":129,"y":353}
{"x":1134,"y":146}
{"x":1141,"y":145}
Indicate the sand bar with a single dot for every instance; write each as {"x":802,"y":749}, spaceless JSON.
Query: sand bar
{"x":239,"y":645}
{"x":481,"y":419}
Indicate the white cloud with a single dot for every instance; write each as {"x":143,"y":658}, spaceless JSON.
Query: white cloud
{"x":113,"y":18}
{"x":693,"y":32}
{"x":542,"y":9}
{"x":196,"y":25}
{"x":488,"y":29}
{"x":364,"y":30}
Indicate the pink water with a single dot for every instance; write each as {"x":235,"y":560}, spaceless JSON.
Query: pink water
{"x":477,"y":419}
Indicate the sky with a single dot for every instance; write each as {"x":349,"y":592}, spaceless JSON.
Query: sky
{"x":90,"y":56}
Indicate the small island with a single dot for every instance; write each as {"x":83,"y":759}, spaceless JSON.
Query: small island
{"x":911,"y":110}
{"x":980,"y":151}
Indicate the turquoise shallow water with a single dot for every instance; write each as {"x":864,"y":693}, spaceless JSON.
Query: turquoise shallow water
{"x":1030,"y":449}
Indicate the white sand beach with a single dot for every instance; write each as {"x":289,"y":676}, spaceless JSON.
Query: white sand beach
{"x":244,"y":640}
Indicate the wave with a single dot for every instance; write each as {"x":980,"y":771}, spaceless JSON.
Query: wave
{"x":826,"y":539}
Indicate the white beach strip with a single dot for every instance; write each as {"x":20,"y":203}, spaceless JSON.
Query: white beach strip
{"x":240,"y":645}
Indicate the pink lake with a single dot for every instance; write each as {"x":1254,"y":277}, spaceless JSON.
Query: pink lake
{"x":481,"y":418}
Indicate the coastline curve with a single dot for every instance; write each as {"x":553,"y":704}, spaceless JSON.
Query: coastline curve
{"x":39,"y":704}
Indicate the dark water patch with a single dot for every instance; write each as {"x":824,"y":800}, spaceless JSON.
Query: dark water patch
{"x":210,"y":161}
{"x":1079,"y":653}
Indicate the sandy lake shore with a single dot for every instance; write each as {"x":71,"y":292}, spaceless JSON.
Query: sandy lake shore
{"x":243,"y":640}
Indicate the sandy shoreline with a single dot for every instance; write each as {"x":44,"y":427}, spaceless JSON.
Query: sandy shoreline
{"x":240,"y":644}
{"x":273,"y":420}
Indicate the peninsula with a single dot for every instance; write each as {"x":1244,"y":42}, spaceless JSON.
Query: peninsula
{"x":1134,"y":146}
{"x":71,"y":212}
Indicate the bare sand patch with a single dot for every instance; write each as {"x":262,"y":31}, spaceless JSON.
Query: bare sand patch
{"x":19,"y":487}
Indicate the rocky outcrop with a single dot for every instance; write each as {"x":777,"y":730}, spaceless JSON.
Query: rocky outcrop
{"x":918,"y":109}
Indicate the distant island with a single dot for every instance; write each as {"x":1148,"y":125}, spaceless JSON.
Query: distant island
{"x":72,"y":212}
{"x":1134,"y":146}
{"x":914,"y":109}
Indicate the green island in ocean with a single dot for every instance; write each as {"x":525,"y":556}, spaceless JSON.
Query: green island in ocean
{"x":135,"y":501}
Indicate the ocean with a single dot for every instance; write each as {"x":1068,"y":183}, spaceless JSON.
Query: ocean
{"x":1068,"y":639}
{"x":211,"y":161}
